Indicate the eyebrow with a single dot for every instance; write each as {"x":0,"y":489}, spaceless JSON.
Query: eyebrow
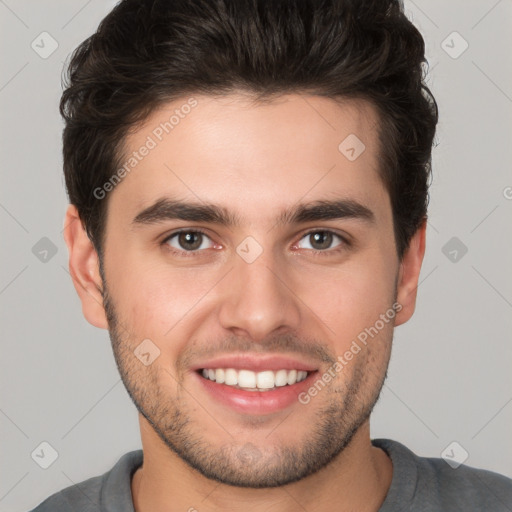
{"x":170,"y":209}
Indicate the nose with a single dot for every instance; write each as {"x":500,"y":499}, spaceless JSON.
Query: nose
{"x":258,"y":299}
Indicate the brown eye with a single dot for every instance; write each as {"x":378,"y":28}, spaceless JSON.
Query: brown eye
{"x":188,"y":241}
{"x":321,"y":240}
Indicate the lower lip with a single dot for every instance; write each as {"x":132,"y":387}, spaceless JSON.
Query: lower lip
{"x":256,"y":402}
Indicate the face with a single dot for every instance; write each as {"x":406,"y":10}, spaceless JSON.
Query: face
{"x":266,"y":280}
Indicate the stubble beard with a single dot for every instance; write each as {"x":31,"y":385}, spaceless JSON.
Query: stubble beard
{"x":244,"y":464}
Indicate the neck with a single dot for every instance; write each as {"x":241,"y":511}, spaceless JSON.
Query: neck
{"x":357,"y":479}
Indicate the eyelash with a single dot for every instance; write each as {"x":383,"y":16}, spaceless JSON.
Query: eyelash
{"x":315,"y":252}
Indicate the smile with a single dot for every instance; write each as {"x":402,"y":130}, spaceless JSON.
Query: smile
{"x":249,"y":380}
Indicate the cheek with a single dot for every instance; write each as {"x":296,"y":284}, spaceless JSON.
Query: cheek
{"x":157,"y":304}
{"x":162,"y":303}
{"x":350,"y":299}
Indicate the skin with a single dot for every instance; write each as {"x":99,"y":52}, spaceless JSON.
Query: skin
{"x":254,"y":159}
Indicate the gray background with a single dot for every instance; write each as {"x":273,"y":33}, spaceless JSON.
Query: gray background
{"x":450,"y":374}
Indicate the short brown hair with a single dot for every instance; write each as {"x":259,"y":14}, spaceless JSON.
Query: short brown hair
{"x":147,"y":52}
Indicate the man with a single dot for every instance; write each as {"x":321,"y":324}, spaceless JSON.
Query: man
{"x":248,"y":186}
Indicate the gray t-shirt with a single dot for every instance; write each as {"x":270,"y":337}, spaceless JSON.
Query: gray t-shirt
{"x":419,"y":484}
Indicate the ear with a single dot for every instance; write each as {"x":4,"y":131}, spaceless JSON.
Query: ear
{"x":84,"y":269}
{"x":408,"y":275}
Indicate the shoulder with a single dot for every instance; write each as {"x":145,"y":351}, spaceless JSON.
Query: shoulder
{"x":467,"y":486}
{"x":96,"y":494}
{"x":429,"y":484}
{"x":84,"y":496}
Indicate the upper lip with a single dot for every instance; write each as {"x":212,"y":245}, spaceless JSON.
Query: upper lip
{"x":256,"y":363}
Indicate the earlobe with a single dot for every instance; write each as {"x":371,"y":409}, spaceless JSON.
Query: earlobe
{"x":409,"y":274}
{"x":84,"y":269}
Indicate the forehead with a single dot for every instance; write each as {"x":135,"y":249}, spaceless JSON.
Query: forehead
{"x":253,"y":157}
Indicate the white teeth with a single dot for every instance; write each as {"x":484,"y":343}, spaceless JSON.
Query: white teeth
{"x":292,"y":377}
{"x":231,"y":377}
{"x":265,"y":380}
{"x":281,"y":378}
{"x":246,"y":379}
{"x":254,"y":381}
